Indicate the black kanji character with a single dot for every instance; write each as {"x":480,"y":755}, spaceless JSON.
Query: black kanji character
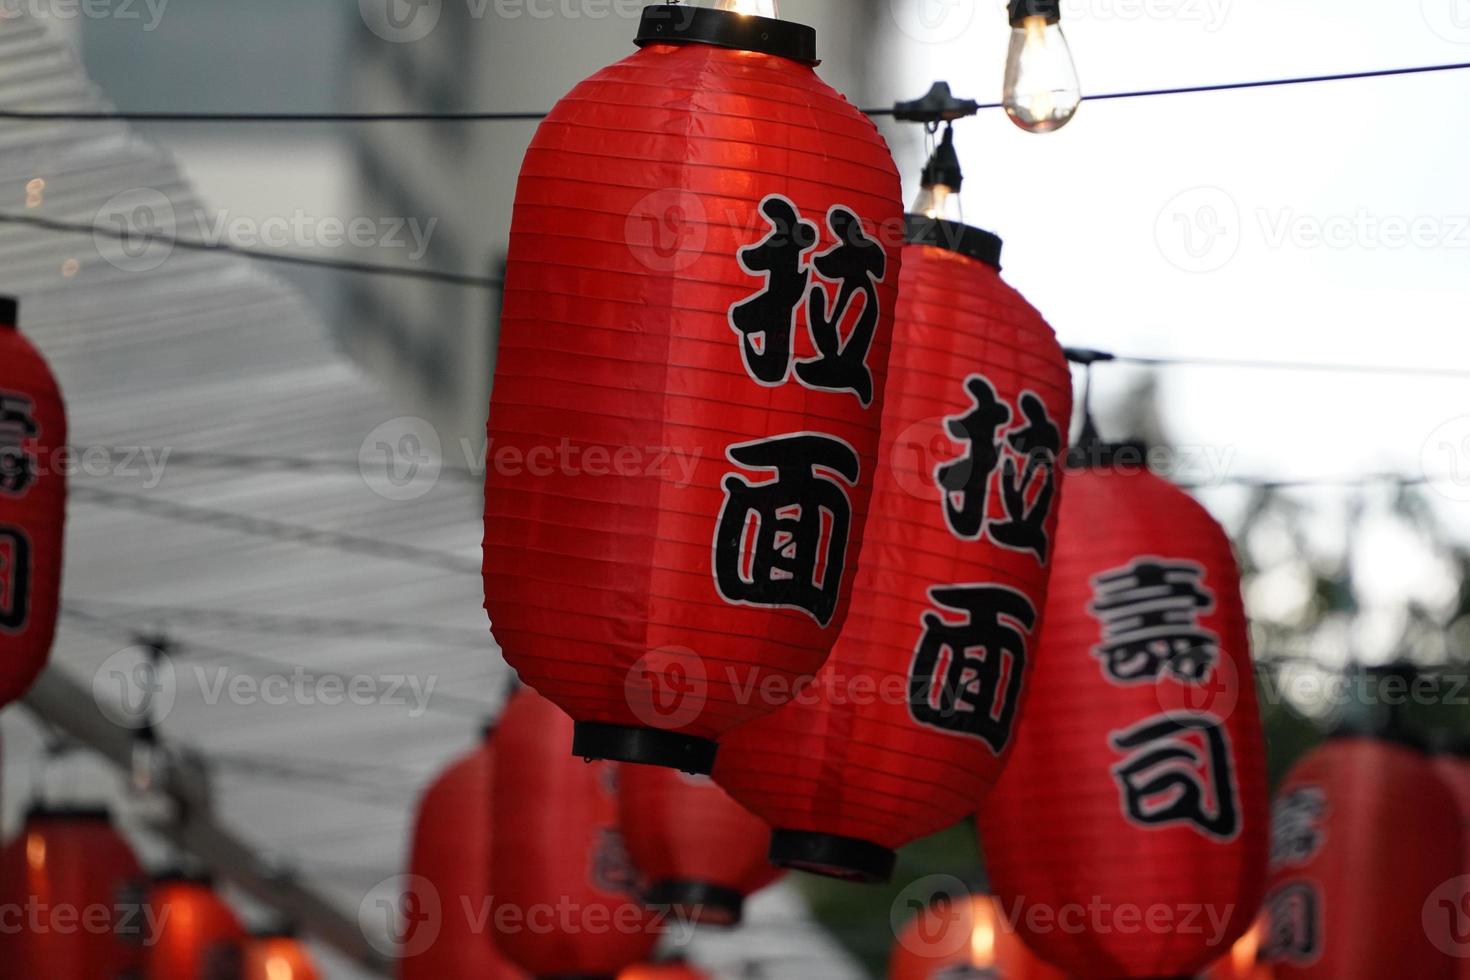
{"x":1149,"y":611}
{"x":858,"y":263}
{"x":767,"y":320}
{"x":613,"y":870}
{"x":966,"y":677}
{"x":15,"y":579}
{"x":780,"y":561}
{"x":1293,"y":925}
{"x":1296,"y":826}
{"x":965,"y":483}
{"x":1039,"y":444}
{"x":17,"y":426}
{"x":1179,"y":769}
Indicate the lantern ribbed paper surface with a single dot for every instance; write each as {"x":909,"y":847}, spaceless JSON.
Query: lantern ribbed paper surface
{"x":1138,"y":780}
{"x":970,"y":938}
{"x":200,"y":937}
{"x":64,"y":869}
{"x":451,"y":855}
{"x":278,"y":958}
{"x":702,"y":852}
{"x":567,"y":898}
{"x":1364,"y":837}
{"x":32,"y":507}
{"x":910,"y":721}
{"x":684,"y":427}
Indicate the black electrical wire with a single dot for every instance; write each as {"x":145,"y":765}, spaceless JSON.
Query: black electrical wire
{"x":1323,"y":366}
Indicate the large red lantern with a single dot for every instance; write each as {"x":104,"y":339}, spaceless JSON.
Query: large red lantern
{"x":1138,"y":782}
{"x":32,"y":507}
{"x":702,"y":852}
{"x":698,"y":306}
{"x":1365,"y":853}
{"x":1453,"y":766}
{"x":199,"y":938}
{"x":910,"y":721}
{"x":966,"y":938}
{"x":567,"y":898}
{"x":81,"y":892}
{"x":451,"y":856}
{"x":278,"y":957}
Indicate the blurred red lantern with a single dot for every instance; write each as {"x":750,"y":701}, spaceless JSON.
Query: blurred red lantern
{"x":1138,"y":781}
{"x":79,"y":894}
{"x":702,"y":852}
{"x":32,"y":507}
{"x":684,"y":428}
{"x":451,"y":855}
{"x":278,"y":958}
{"x":1243,"y":962}
{"x":200,"y":938}
{"x":567,"y":898}
{"x":1453,"y":767}
{"x":1365,"y":856}
{"x":966,"y":938}
{"x":910,"y":722}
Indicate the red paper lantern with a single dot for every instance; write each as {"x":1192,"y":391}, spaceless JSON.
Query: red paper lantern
{"x":32,"y":507}
{"x":968,"y":938}
{"x":78,"y":893}
{"x":684,"y":429}
{"x":278,"y":958}
{"x":1453,"y":767}
{"x":702,"y":852}
{"x":200,"y":937}
{"x":451,"y":855}
{"x":911,"y":719}
{"x":1138,"y":782}
{"x":1365,"y":843}
{"x":567,"y":898}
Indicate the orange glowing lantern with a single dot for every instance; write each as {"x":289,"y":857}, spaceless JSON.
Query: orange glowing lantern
{"x":962,"y":938}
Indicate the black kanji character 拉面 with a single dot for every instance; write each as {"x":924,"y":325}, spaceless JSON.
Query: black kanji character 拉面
{"x":1149,"y":611}
{"x":858,"y":264}
{"x":965,"y":483}
{"x":1179,"y":768}
{"x":613,"y":870}
{"x":17,"y":427}
{"x":766,"y":321}
{"x":768,"y":544}
{"x":1293,"y":925}
{"x":15,"y":579}
{"x":966,"y":676}
{"x":1296,"y":826}
{"x":1038,"y":444}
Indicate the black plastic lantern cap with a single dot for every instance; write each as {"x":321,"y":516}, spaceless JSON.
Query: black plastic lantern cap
{"x":645,"y":746}
{"x":1021,"y":9}
{"x":677,"y":23}
{"x":845,"y":858}
{"x":9,"y":312}
{"x":702,"y":902}
{"x":973,"y":243}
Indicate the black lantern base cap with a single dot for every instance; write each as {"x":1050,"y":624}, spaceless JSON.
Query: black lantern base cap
{"x":644,"y":746}
{"x":701,"y":902}
{"x":682,"y":24}
{"x":972,"y":243}
{"x":846,"y":858}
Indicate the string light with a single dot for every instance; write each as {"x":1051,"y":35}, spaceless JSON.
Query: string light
{"x":1041,"y":88}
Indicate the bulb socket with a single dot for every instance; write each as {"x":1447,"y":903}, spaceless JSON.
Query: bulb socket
{"x":1022,"y":9}
{"x":9,"y":312}
{"x":944,"y":165}
{"x":677,"y":23}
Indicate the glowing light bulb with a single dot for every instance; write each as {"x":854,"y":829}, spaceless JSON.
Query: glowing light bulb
{"x":757,"y":8}
{"x":1042,"y":92}
{"x":939,"y":201}
{"x":941,"y":181}
{"x":982,"y":936}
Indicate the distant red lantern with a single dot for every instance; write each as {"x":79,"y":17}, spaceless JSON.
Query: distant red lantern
{"x":200,"y":937}
{"x":451,"y":855}
{"x":697,"y":315}
{"x":910,"y":722}
{"x":1138,"y":781}
{"x":32,"y":507}
{"x":1365,"y":852}
{"x":1453,"y":767}
{"x":567,"y":898}
{"x":967,"y":938}
{"x":702,"y":852}
{"x":278,"y":958}
{"x":81,"y":893}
